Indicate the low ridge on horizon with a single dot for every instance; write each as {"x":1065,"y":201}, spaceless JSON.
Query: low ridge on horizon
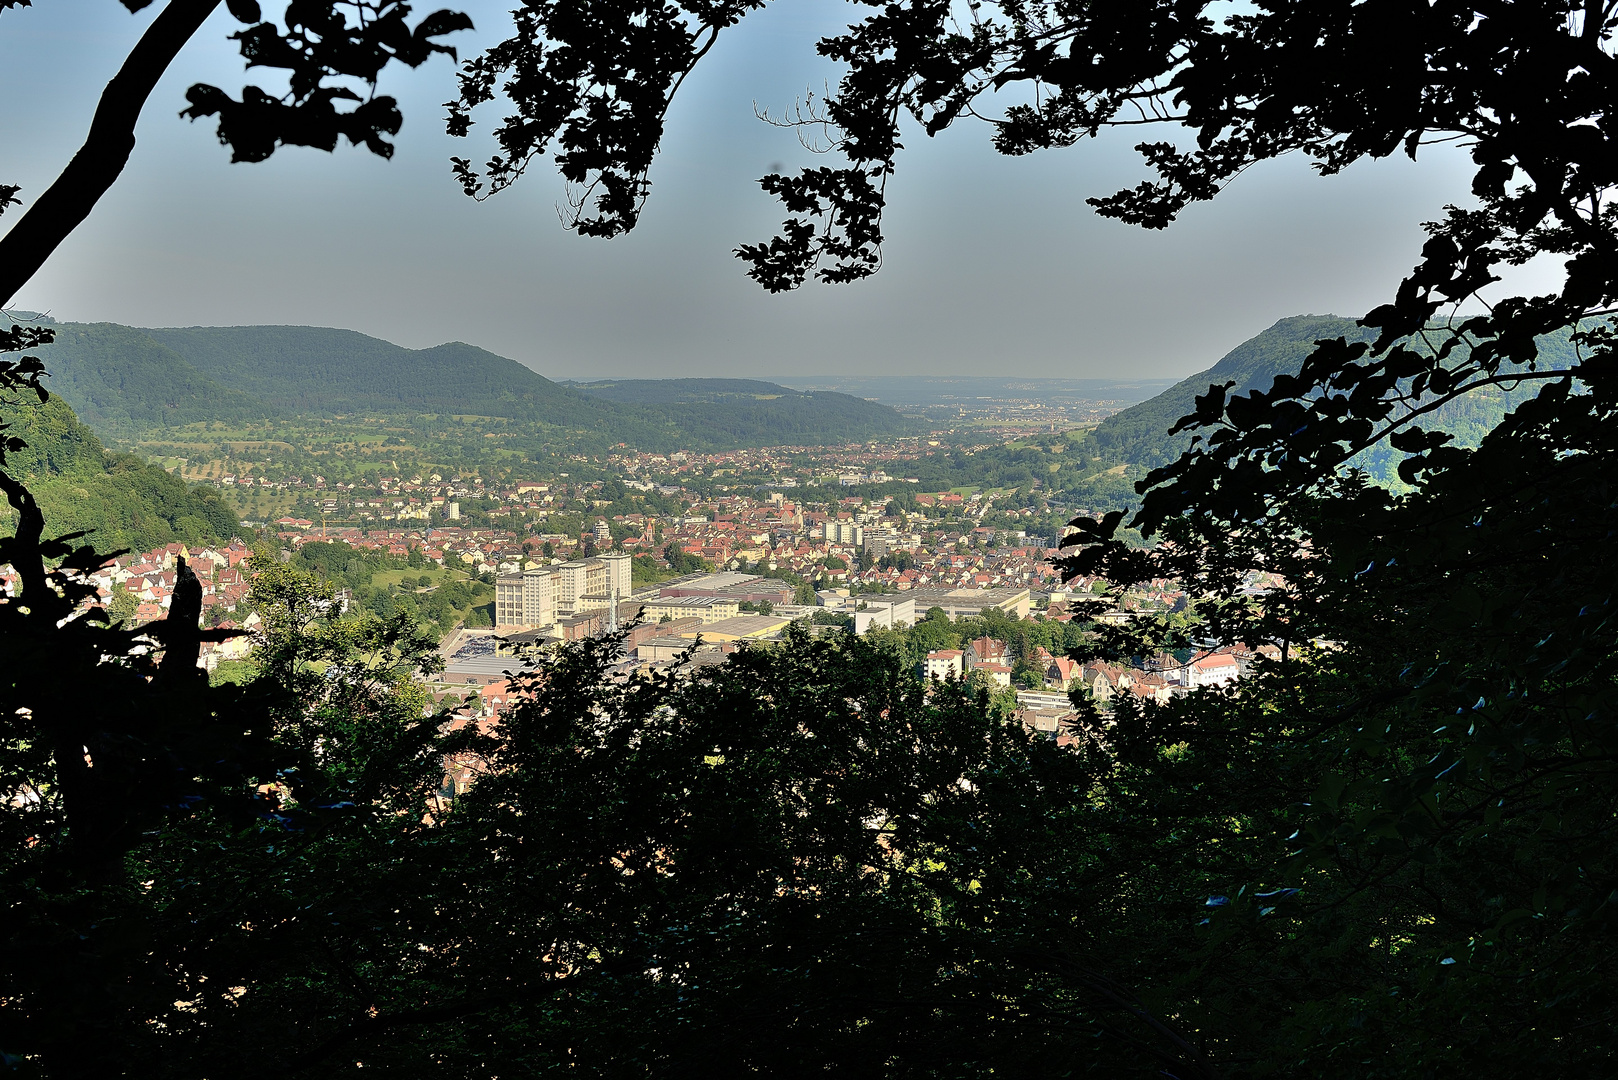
{"x":122,"y":380}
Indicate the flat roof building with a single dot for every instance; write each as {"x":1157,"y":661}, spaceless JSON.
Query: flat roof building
{"x":482,"y":670}
{"x":525,"y":599}
{"x":724,"y":579}
{"x":959,"y":602}
{"x":710,"y":609}
{"x":541,"y":595}
{"x":886,"y":612}
{"x":740,"y":628}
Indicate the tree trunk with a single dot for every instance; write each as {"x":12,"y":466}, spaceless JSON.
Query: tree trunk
{"x":101,"y":159}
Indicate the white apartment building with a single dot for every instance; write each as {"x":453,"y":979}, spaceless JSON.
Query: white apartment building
{"x":573,"y":581}
{"x":525,"y":599}
{"x":884,"y":613}
{"x":542,"y":594}
{"x":620,"y":574}
{"x":844,"y":532}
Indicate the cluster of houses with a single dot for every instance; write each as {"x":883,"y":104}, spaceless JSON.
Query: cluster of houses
{"x":852,"y":543}
{"x":693,"y":620}
{"x":845,"y":544}
{"x":786,"y":466}
{"x":1165,"y":677}
{"x":148,"y":579}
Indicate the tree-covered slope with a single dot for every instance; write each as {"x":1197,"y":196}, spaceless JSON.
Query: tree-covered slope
{"x":127,"y":381}
{"x":751,"y":411}
{"x":120,"y":380}
{"x":320,"y":370}
{"x":120,"y":499}
{"x":1138,"y":436}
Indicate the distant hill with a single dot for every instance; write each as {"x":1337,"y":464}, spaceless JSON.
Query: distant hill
{"x":128,"y":381}
{"x":753,"y":412}
{"x":120,"y":499}
{"x":1138,"y":436}
{"x":321,"y":371}
{"x":682,"y":391}
{"x":119,"y":379}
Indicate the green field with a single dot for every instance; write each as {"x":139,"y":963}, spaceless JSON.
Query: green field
{"x":439,"y":575}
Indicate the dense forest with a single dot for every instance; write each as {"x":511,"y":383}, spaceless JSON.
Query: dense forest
{"x":121,"y":381}
{"x":1387,"y":851}
{"x":121,"y":500}
{"x":757,"y":413}
{"x":1138,"y":436}
{"x":134,"y":383}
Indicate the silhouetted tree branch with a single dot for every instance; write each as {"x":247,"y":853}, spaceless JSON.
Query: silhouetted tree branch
{"x":100,"y":161}
{"x":318,"y":44}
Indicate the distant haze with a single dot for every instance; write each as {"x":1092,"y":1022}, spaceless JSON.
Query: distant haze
{"x":993,"y":266}
{"x":969,"y":389}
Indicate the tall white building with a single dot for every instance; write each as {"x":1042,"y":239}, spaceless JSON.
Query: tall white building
{"x":541,"y":595}
{"x":620,"y":575}
{"x":844,"y":532}
{"x":572,"y":583}
{"x":525,"y":599}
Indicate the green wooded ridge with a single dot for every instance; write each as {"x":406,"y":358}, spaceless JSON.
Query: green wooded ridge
{"x":119,"y":499}
{"x":127,"y":381}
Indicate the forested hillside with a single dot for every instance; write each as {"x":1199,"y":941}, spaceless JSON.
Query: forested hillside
{"x":120,"y":499}
{"x":121,"y":381}
{"x":132,"y":382}
{"x":754,"y":412}
{"x":323,"y":371}
{"x":1138,"y":436}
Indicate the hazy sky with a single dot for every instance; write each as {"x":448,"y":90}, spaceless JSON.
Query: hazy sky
{"x":993,"y":265}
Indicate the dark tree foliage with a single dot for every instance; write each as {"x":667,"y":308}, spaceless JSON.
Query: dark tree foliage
{"x":102,"y":743}
{"x":1437,"y":745}
{"x":1389,"y":854}
{"x":321,"y":44}
{"x":1445,"y":702}
{"x":788,"y":864}
{"x":143,"y":807}
{"x":593,"y":80}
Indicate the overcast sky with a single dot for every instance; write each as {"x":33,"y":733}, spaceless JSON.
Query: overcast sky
{"x":993,"y":265}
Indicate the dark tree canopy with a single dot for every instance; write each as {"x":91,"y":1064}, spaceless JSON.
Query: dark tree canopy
{"x":1391,"y":852}
{"x":1527,"y":88}
{"x":1440,"y":726}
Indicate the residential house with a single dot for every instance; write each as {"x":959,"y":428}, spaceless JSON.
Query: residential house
{"x":941,"y":663}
